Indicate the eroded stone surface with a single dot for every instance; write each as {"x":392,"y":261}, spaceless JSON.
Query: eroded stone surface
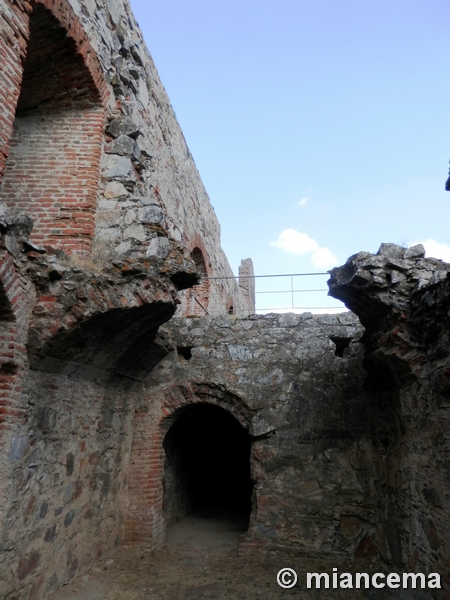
{"x":403,"y":300}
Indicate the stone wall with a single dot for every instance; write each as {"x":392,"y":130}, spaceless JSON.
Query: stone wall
{"x":295,"y":382}
{"x":68,"y":494}
{"x":147,"y":164}
{"x":403,"y":300}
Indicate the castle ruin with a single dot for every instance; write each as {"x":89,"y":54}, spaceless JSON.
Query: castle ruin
{"x":124,"y":336}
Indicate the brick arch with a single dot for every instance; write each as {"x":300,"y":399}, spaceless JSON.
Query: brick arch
{"x":198,"y":296}
{"x":63,"y":12}
{"x":53,"y":158}
{"x":145,"y":521}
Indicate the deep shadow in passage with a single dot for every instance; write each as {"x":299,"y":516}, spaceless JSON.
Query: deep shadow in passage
{"x":207,"y":466}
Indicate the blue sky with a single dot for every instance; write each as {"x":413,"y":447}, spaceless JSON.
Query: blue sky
{"x":320,"y":127}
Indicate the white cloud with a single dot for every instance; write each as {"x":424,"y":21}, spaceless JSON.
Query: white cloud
{"x":437,"y":250}
{"x":295,"y":242}
{"x":303,"y":201}
{"x":323,"y":258}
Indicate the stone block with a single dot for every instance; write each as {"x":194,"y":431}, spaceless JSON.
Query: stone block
{"x":69,"y":518}
{"x":261,"y":425}
{"x":123,"y":248}
{"x":152,"y":213}
{"x":50,"y":534}
{"x":124,"y":146}
{"x":124,"y":126}
{"x":392,"y":250}
{"x":107,"y":205}
{"x":417,"y":251}
{"x":120,"y":168}
{"x":158,"y":247}
{"x":130,"y":217}
{"x":112,"y":234}
{"x":114,"y":189}
{"x":136,"y":232}
{"x":19,"y":447}
{"x":350,"y":526}
{"x":28,"y":564}
{"x":240,"y":353}
{"x":143,"y":93}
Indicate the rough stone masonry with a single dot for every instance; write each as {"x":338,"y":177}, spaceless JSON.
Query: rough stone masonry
{"x":122,"y":329}
{"x":402,"y":300}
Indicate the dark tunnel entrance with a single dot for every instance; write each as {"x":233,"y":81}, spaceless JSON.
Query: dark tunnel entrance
{"x":207,"y":466}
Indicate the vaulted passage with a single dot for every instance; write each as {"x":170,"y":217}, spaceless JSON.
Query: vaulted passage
{"x":207,"y":466}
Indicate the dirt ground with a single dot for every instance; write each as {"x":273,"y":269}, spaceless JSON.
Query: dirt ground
{"x":199,"y":562}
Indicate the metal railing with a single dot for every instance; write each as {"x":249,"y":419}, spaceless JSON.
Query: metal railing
{"x":289,"y":294}
{"x":292,"y":297}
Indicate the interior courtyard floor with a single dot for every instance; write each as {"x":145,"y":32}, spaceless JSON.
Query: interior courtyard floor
{"x":200,"y":562}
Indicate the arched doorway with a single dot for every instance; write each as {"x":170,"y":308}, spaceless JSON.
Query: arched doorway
{"x":207,"y":466}
{"x":149,"y":474}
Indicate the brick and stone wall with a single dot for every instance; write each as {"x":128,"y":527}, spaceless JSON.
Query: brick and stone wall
{"x":90,"y":146}
{"x":295,"y":382}
{"x":68,"y":475}
{"x":65,"y":423}
{"x":52,"y":169}
{"x":93,"y":164}
{"x":105,"y":232}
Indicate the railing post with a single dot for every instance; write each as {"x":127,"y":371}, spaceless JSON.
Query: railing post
{"x":292,"y":291}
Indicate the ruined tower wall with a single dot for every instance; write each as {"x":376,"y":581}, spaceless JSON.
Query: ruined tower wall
{"x":91,"y":151}
{"x":403,"y":301}
{"x":137,"y":182}
{"x":159,"y":169}
{"x":66,"y":423}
